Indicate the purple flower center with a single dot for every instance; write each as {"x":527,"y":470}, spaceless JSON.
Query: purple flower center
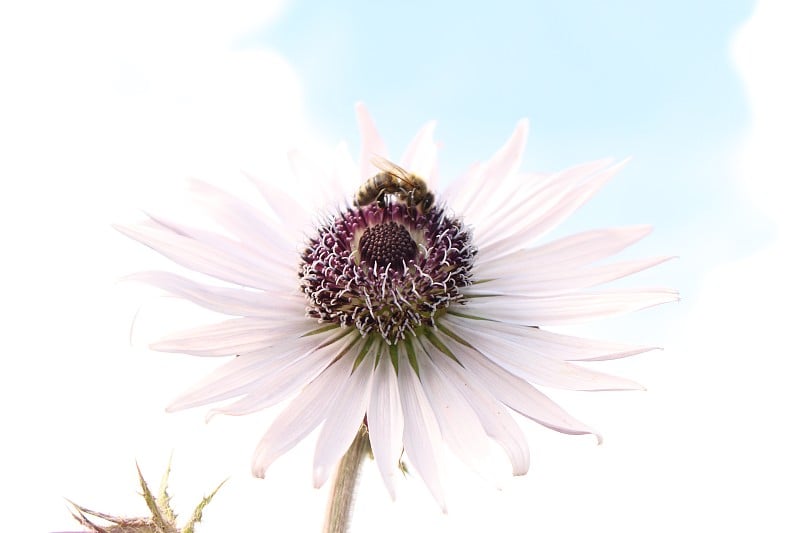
{"x":386,"y":270}
{"x":387,"y":244}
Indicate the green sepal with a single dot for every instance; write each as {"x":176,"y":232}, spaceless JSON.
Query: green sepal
{"x":394,"y":358}
{"x":412,"y":355}
{"x":362,"y":353}
{"x":321,"y":329}
{"x":442,"y":347}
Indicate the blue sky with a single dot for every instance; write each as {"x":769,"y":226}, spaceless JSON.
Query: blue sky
{"x":653,"y":80}
{"x":108,"y":106}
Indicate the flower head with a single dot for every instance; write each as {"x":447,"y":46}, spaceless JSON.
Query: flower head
{"x":424,"y":320}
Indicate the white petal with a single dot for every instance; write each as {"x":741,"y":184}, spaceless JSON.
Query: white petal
{"x":302,"y":415}
{"x":267,"y":373}
{"x":226,"y":300}
{"x":285,"y":381}
{"x":568,"y":348}
{"x":461,"y":189}
{"x":534,"y":367}
{"x":421,"y":435}
{"x":321,"y":181}
{"x":232,"y":337}
{"x":278,"y":265}
{"x":566,"y":309}
{"x":558,"y":346}
{"x":343,"y":422}
{"x":543,"y":219}
{"x":385,"y":420}
{"x":519,"y":395}
{"x":347,"y":175}
{"x":568,"y":252}
{"x":371,"y":143}
{"x":472,"y":202}
{"x":499,"y":180}
{"x":202,"y":257}
{"x":494,"y":417}
{"x":420,"y":157}
{"x":518,"y":199}
{"x":461,"y":429}
{"x":253,"y":230}
{"x":552,"y":281}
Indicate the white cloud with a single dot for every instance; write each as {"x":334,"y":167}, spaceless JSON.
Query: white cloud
{"x":108,"y":106}
{"x":735,"y":440}
{"x":765,"y":52}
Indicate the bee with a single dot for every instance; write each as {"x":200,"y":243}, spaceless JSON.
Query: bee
{"x":405,"y":186}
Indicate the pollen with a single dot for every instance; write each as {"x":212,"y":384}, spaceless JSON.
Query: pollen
{"x":387,"y":244}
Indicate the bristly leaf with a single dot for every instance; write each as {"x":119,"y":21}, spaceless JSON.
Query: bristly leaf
{"x":163,"y":519}
{"x":163,"y":501}
{"x":160,"y":525}
{"x":197,"y":515}
{"x":121,"y":525}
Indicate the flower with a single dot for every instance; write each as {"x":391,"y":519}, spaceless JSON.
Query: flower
{"x":426,"y":322}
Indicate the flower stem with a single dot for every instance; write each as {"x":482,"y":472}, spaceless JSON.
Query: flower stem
{"x":340,"y":503}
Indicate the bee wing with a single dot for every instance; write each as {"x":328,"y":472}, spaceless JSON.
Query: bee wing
{"x":395,"y":170}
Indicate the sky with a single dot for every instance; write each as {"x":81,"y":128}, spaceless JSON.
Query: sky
{"x":106,"y":108}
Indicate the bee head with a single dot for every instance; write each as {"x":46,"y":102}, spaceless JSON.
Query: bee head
{"x":426,"y":202}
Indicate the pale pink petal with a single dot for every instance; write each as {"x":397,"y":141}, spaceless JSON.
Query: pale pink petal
{"x":460,"y":189}
{"x":420,"y":156}
{"x":569,"y":348}
{"x":421,"y":435}
{"x":479,"y":190}
{"x":534,"y":367}
{"x":371,"y":143}
{"x":285,"y":208}
{"x":266,"y":373}
{"x":303,"y":414}
{"x":518,"y":199}
{"x":567,"y":308}
{"x":276,"y":386}
{"x":253,"y":230}
{"x":558,"y":346}
{"x":552,"y":281}
{"x":201,"y":257}
{"x":344,"y":422}
{"x":385,"y":419}
{"x":519,"y":395}
{"x":542,"y":220}
{"x":226,"y":300}
{"x":572,"y":251}
{"x":275,"y":262}
{"x":321,"y":182}
{"x":461,"y":429}
{"x":236,"y":336}
{"x":347,"y":174}
{"x":499,"y":181}
{"x":496,"y":421}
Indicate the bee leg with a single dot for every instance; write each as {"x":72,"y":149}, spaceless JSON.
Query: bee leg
{"x":381,"y":199}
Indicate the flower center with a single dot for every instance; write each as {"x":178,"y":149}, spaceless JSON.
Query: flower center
{"x":386,"y":270}
{"x":387,"y":244}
